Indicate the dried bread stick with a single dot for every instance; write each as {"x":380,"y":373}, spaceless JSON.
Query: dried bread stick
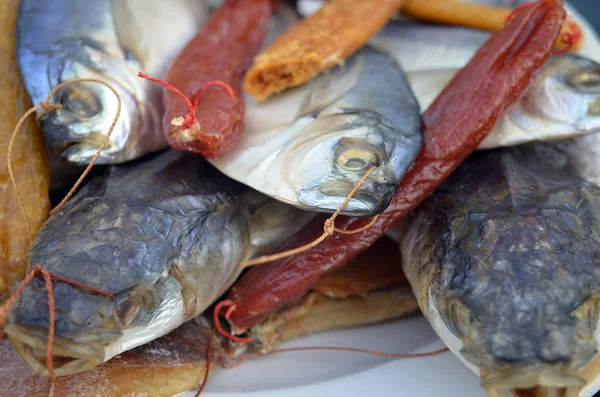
{"x":317,"y":43}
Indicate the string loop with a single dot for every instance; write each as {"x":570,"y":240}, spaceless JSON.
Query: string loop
{"x":230,"y":309}
{"x":189,"y":119}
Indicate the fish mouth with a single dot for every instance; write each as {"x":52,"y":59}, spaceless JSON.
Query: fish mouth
{"x":68,"y":357}
{"x":82,"y":152}
{"x":514,"y":383}
{"x":62,"y":148}
{"x":363,"y":203}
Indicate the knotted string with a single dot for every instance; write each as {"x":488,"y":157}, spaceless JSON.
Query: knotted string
{"x":328,"y":229}
{"x":45,"y":107}
{"x":189,"y":119}
{"x":230,"y":309}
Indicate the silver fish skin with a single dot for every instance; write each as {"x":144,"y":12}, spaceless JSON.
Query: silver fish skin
{"x":419,"y":46}
{"x":504,"y":259}
{"x":563,"y":101}
{"x":108,"y":40}
{"x":164,"y":235}
{"x":308,"y":147}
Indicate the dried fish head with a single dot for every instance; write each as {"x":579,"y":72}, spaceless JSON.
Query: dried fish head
{"x":165,"y":236}
{"x":563,"y":101}
{"x":311,"y":145}
{"x":94,"y":328}
{"x":78,"y":128}
{"x":335,"y":151}
{"x":88,"y":319}
{"x":110,"y":41}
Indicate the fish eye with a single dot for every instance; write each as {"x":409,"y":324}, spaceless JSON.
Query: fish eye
{"x":80,"y":101}
{"x":356,"y":158}
{"x":135,"y":304}
{"x":587,"y":80}
{"x":128,"y":310}
{"x":457,"y":316}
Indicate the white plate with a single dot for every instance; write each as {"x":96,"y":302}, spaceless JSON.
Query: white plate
{"x":328,"y":373}
{"x":332,"y":374}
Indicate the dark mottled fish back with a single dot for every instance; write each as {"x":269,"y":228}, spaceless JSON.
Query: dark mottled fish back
{"x":514,"y":236}
{"x":130,"y":227}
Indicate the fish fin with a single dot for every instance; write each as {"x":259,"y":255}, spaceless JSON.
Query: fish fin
{"x":331,"y":86}
{"x":591,"y":373}
{"x":589,"y":312}
{"x":270,"y":217}
{"x":190,"y":300}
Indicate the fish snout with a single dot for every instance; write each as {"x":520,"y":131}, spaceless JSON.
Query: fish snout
{"x":76,"y":142}
{"x":543,"y":366}
{"x":552,"y":382}
{"x":68,"y":356}
{"x":85,"y":324}
{"x":370,"y":199}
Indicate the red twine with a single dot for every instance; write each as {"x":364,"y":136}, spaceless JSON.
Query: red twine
{"x":231,"y":308}
{"x":208,"y":360}
{"x":571,"y":38}
{"x":189,"y":119}
{"x":242,"y":359}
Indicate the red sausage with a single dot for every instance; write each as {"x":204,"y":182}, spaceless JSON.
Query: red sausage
{"x":222,"y":51}
{"x":455,"y":124}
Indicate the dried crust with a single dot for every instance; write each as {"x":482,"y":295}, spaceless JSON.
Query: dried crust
{"x":317,"y":43}
{"x":29,"y":160}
